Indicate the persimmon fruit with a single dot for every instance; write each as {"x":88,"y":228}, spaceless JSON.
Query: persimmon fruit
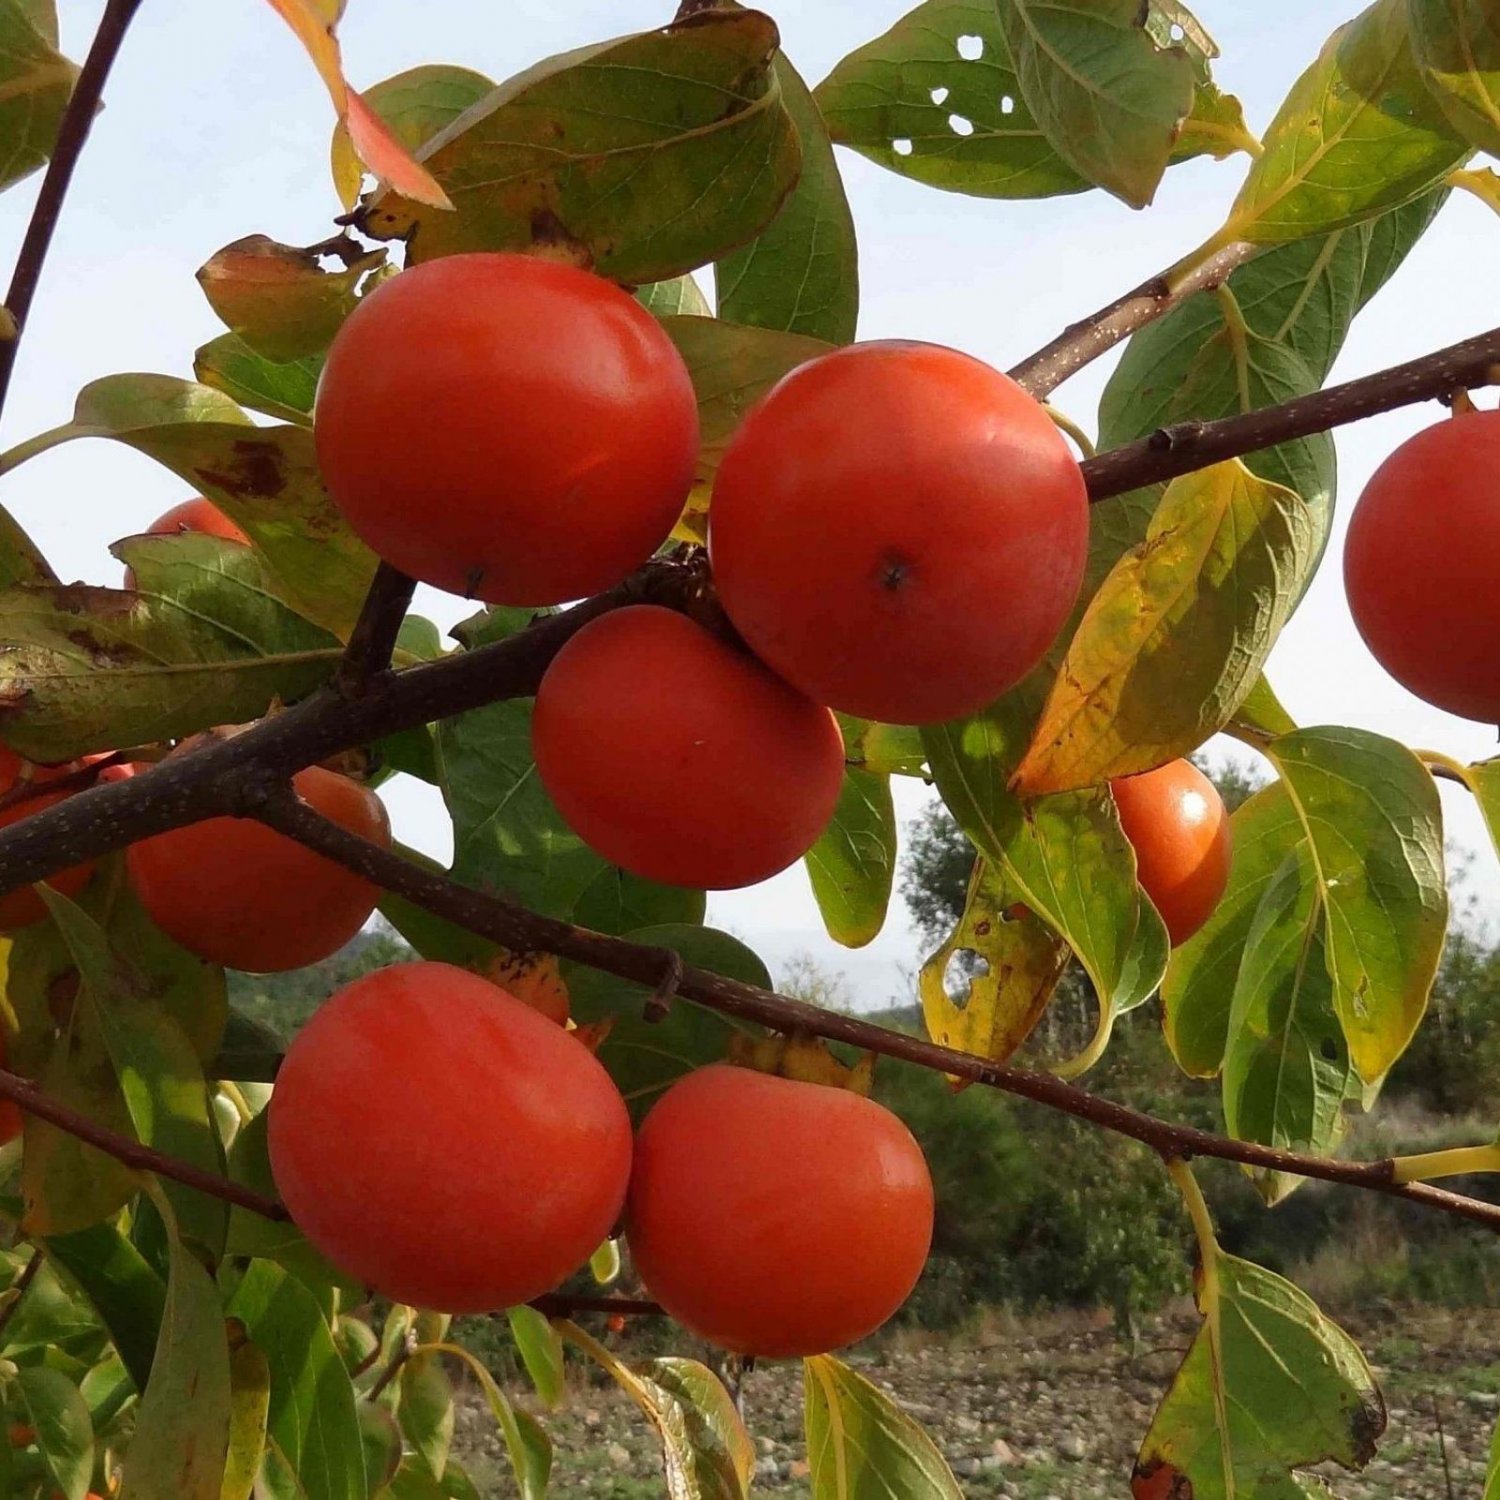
{"x":10,"y":1112}
{"x":898,"y":530}
{"x":445,"y":1143}
{"x":775,"y":1217}
{"x":508,"y":428}
{"x":20,"y":908}
{"x":1176,"y":821}
{"x":240,"y":894}
{"x":1421,"y":560}
{"x":678,"y":756}
{"x":197,"y":514}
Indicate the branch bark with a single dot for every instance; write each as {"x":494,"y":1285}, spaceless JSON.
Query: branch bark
{"x":561,"y":1305}
{"x":515,"y":927}
{"x":373,"y":638}
{"x":33,"y":1101}
{"x":73,"y":131}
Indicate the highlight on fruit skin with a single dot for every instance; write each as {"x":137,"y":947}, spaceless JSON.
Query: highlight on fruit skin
{"x":899,"y":531}
{"x":710,"y":772}
{"x":507,"y":428}
{"x":240,"y":894}
{"x":774,"y":1217}
{"x":1179,"y":827}
{"x":1421,"y":560}
{"x":445,"y":1143}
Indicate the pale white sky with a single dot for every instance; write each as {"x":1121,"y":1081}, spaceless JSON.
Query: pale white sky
{"x":217,"y":127}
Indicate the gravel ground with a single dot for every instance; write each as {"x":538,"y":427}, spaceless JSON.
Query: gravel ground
{"x":1049,"y":1409}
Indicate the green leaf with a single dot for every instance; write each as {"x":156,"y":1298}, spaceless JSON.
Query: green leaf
{"x":51,"y":1316}
{"x":265,"y":479}
{"x":645,"y":1057}
{"x":20,"y":561}
{"x":201,"y":642}
{"x":1261,"y":712}
{"x":249,"y":1053}
{"x":36,"y":82}
{"x":311,"y":1418}
{"x":1457,"y":48}
{"x":1108,"y":97}
{"x":862,"y":1446}
{"x":541,"y":1352}
{"x":801,"y":273}
{"x":280,"y":299}
{"x":249,"y":1403}
{"x":904,"y":99}
{"x":1199,"y":986}
{"x":618,"y":902}
{"x":1375,"y":833}
{"x":417,"y":104}
{"x":1023,"y":961}
{"x":1359,"y":133}
{"x":159,"y":1073}
{"x":529,"y":1447}
{"x":182,"y":1424}
{"x":731,"y":369}
{"x":1286,"y":1069}
{"x":381,"y":1435}
{"x":853,"y":864}
{"x":426,"y":1410}
{"x":1177,"y":634}
{"x":107,"y":1389}
{"x":679,"y":295}
{"x":641,"y":158}
{"x":283,"y":391}
{"x":128,"y":1296}
{"x":1484,"y":781}
{"x":1269,"y":1385}
{"x":64,"y":1429}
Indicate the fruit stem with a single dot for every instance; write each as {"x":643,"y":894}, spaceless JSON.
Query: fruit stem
{"x":1073,"y":430}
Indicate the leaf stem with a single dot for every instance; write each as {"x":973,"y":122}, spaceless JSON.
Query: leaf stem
{"x":1458,"y":1161}
{"x":1197,"y":1206}
{"x":53,"y":437}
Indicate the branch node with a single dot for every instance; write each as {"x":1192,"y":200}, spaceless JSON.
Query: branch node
{"x":659,"y":1002}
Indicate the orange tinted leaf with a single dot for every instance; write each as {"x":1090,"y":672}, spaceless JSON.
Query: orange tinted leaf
{"x":387,"y":158}
{"x":313,"y":26}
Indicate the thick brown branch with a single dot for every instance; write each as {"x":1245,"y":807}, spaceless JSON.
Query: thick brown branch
{"x":1083,"y":342}
{"x":1185,"y":446}
{"x":373,"y":638}
{"x":73,"y":131}
{"x":517,"y":928}
{"x":34,"y":1102}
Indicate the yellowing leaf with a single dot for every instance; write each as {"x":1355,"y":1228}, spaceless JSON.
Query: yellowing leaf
{"x":1177,"y":634}
{"x":36,"y":82}
{"x":1457,"y":47}
{"x":1023,"y":959}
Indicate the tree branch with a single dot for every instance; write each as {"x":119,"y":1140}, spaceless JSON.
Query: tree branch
{"x":561,"y":1305}
{"x":34,"y":1102}
{"x":373,"y":638}
{"x":1185,"y":446}
{"x":1083,"y":342}
{"x":516,"y":928}
{"x":73,"y":131}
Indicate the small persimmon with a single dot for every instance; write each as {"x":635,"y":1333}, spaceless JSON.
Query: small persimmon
{"x":445,"y":1143}
{"x":680,"y":757}
{"x":200,"y":515}
{"x":775,"y":1217}
{"x":1176,"y":821}
{"x":240,"y":894}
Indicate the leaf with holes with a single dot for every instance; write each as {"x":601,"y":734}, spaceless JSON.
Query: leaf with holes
{"x":1286,"y":1068}
{"x":640,"y":158}
{"x":862,"y":1446}
{"x":1270,"y":1385}
{"x":64,"y":1430}
{"x":280,"y":300}
{"x":36,"y":82}
{"x":853,"y":864}
{"x":1022,"y":958}
{"x":265,"y":478}
{"x":283,"y":391}
{"x":936,"y":99}
{"x":1457,"y":47}
{"x":202,"y":641}
{"x":800,"y":274}
{"x":1374,"y":828}
{"x":1177,"y":634}
{"x":1359,"y":133}
{"x":731,"y":369}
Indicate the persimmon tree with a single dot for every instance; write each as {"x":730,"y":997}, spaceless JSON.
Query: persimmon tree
{"x":527,"y":396}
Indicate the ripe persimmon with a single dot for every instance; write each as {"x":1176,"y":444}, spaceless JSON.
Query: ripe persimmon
{"x":680,"y":757}
{"x":1421,"y":560}
{"x":240,"y":894}
{"x":898,"y":530}
{"x":775,"y":1217}
{"x":445,"y":1143}
{"x":508,"y":428}
{"x":10,"y":1118}
{"x":197,"y":514}
{"x":1177,"y":822}
{"x":20,"y":908}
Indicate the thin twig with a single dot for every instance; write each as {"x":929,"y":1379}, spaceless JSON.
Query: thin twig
{"x":516,"y":928}
{"x":18,"y":1286}
{"x":73,"y":131}
{"x":373,"y":638}
{"x":562,"y":1305}
{"x":142,"y":1158}
{"x":402,"y":1354}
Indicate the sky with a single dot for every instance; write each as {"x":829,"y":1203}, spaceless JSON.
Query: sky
{"x":216,"y":126}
